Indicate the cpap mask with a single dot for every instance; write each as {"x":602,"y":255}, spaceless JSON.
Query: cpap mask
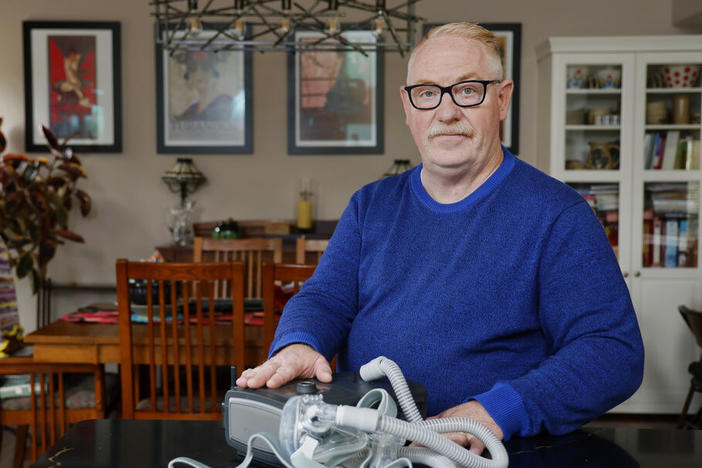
{"x":315,"y":434}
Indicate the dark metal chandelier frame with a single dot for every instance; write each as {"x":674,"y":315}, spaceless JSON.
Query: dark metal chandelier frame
{"x":269,"y":25}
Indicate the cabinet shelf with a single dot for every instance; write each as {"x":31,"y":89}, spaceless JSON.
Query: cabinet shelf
{"x":673,"y":127}
{"x":673,"y":90}
{"x":594,"y":91}
{"x":593,"y":127}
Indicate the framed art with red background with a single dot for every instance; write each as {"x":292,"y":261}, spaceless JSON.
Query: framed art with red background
{"x":72,"y":84}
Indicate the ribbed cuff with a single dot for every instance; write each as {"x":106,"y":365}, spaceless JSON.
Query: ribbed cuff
{"x":290,"y":338}
{"x":506,"y":407}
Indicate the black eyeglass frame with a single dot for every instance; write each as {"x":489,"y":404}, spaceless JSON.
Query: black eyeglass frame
{"x":447,"y":90}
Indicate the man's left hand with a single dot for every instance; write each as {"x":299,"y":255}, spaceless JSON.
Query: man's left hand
{"x":472,"y":410}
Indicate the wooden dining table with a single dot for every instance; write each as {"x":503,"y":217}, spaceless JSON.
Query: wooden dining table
{"x":98,"y":343}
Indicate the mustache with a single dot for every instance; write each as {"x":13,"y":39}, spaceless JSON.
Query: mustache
{"x":458,"y":128}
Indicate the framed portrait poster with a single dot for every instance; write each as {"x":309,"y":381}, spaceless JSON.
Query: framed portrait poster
{"x":204,"y":100}
{"x":510,"y":37}
{"x":72,"y":84}
{"x":335,"y":99}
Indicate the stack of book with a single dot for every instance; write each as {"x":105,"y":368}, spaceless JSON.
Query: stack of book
{"x":670,"y":225}
{"x":669,"y":150}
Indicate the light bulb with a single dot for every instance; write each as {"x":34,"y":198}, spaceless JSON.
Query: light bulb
{"x":285,"y":25}
{"x":379,"y":25}
{"x":333,"y":26}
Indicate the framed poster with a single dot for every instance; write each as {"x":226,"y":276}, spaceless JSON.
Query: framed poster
{"x":203,"y":100}
{"x":335,"y":99}
{"x":72,"y":85}
{"x":510,"y":37}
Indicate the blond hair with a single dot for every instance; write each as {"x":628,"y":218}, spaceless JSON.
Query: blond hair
{"x":468,"y":31}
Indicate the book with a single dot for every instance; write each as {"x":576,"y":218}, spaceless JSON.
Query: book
{"x":658,"y":147}
{"x":671,"y":243}
{"x":683,"y":230}
{"x":648,"y":146}
{"x":670,"y":152}
{"x":657,"y":240}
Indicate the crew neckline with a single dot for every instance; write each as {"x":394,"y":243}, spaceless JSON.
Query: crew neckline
{"x":508,"y":162}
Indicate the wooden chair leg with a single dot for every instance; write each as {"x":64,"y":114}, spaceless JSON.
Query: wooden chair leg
{"x":682,"y":422}
{"x":20,"y":446}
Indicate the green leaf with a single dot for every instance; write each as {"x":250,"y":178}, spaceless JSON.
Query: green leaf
{"x":36,"y":281}
{"x":66,"y":234}
{"x":47,"y":250}
{"x":85,"y":202}
{"x":25,"y":264}
{"x":50,"y":138}
{"x":30,"y":172}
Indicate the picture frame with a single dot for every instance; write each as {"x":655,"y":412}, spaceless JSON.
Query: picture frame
{"x":510,"y":37}
{"x":335,"y":99}
{"x":72,"y":84}
{"x":204,"y":100}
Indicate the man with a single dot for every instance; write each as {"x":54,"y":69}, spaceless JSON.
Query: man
{"x":486,"y":280}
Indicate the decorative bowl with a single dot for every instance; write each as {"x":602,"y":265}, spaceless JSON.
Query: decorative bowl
{"x":609,"y":77}
{"x":681,"y":75}
{"x":577,"y":76}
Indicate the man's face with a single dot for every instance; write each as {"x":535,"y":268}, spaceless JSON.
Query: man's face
{"x":452,"y":138}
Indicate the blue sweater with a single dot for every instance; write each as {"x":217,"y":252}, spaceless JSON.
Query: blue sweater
{"x":511,"y":296}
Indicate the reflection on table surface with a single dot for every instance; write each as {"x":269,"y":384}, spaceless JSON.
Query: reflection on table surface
{"x":123,"y":443}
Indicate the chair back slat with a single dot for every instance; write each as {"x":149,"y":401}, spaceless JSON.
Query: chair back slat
{"x":278,"y":274}
{"x":306,"y":249}
{"x":252,"y":252}
{"x":180,"y":344}
{"x":46,"y":414}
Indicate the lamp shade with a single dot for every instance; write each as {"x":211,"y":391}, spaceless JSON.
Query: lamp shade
{"x":184,"y":177}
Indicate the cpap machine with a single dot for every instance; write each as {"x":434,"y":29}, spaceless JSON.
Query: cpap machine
{"x":351,"y":423}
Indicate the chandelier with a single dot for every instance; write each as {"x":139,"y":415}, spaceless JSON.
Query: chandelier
{"x":270,"y":25}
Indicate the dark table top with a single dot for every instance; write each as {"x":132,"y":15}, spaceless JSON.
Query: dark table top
{"x":134,"y":444}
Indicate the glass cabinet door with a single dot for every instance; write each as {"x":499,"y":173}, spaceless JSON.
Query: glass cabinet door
{"x":593,"y":116}
{"x":672,"y":117}
{"x":603,"y":198}
{"x":670,"y":224}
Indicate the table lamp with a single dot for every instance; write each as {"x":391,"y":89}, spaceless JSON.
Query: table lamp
{"x":183,"y":178}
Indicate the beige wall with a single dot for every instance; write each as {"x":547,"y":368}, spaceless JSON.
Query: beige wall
{"x":129,"y":198}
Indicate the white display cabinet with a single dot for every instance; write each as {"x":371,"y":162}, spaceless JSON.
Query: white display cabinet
{"x":619,"y":121}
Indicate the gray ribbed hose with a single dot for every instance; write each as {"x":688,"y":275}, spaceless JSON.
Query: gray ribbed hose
{"x":382,"y":366}
{"x":427,"y":434}
{"x":426,"y":457}
{"x":421,"y":431}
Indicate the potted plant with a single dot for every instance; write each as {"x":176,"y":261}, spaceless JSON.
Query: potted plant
{"x":36,"y":197}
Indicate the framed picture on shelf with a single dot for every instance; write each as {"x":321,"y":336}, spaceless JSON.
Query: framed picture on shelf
{"x":203,"y":100}
{"x":72,"y":84}
{"x":335,"y":99}
{"x":509,"y":36}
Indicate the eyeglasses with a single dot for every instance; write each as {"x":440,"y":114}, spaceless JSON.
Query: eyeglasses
{"x":468,"y":93}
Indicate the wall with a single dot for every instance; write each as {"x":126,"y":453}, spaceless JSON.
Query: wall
{"x":129,"y":198}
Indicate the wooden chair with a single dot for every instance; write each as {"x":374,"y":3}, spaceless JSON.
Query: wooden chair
{"x":279,"y":274}
{"x":58,"y":395}
{"x":693,"y":318}
{"x":314,"y":246}
{"x":251,"y":252}
{"x":182,"y":356}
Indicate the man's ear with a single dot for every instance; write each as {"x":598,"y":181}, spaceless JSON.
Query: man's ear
{"x":504,"y":96}
{"x":406,"y":105}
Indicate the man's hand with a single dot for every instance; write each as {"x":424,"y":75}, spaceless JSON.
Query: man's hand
{"x":473,"y":410}
{"x":295,"y":360}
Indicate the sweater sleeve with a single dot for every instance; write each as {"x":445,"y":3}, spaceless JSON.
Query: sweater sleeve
{"x":586,"y":314}
{"x":321,"y":313}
